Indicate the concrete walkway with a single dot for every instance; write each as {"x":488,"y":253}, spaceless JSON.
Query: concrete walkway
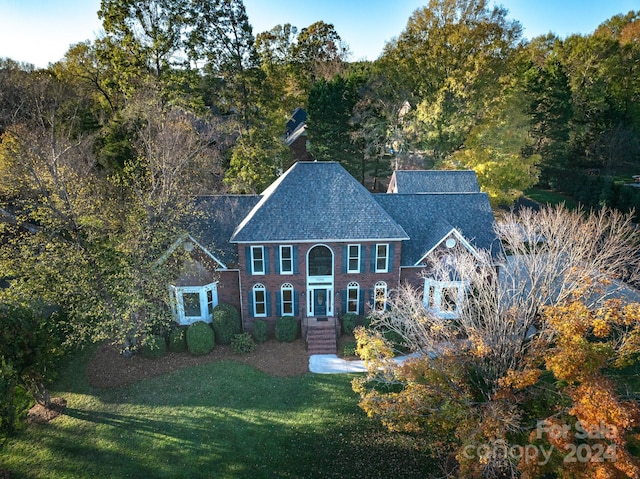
{"x":332,"y":364}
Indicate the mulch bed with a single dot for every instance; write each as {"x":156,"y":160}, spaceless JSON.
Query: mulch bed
{"x":109,"y":369}
{"x":39,"y":414}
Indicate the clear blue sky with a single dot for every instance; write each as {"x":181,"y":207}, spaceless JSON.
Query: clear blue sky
{"x":41,"y":31}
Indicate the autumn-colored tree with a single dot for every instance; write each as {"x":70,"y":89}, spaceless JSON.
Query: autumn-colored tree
{"x":592,"y":418}
{"x":452,"y":54}
{"x":84,"y":240}
{"x":481,"y":381}
{"x":496,"y":149}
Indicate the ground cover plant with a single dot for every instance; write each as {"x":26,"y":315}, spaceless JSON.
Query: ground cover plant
{"x":221,"y":419}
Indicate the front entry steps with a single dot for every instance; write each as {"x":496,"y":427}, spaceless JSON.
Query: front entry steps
{"x":321,"y":336}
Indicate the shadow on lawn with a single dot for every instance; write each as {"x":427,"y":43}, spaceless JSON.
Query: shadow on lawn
{"x":222,"y":420}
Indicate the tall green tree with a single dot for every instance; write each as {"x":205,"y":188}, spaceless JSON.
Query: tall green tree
{"x":85,"y":239}
{"x":146,"y":34}
{"x":220,"y":36}
{"x":549,"y":107}
{"x":319,"y":52}
{"x":452,"y":54}
{"x":498,"y":150}
{"x":329,"y":125}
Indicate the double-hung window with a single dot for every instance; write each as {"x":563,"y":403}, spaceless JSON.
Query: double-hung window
{"x":353,"y":258}
{"x":382,"y":258}
{"x":259,"y":300}
{"x":286,"y":259}
{"x":286,"y":294}
{"x":380,"y":296}
{"x":257,"y":260}
{"x":353,"y":298}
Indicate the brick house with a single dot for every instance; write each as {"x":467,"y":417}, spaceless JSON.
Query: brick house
{"x":317,"y":245}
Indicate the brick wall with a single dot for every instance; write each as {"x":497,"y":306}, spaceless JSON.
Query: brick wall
{"x":229,"y":287}
{"x":273,"y":281}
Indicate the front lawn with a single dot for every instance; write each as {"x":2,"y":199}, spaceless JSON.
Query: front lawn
{"x":217,"y":420}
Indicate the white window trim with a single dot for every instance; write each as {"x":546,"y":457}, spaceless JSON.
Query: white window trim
{"x":283,"y":288}
{"x":282,"y":269}
{"x":438,"y":287}
{"x":386,"y":258}
{"x":177,"y":302}
{"x":259,"y":287}
{"x":357,"y":258}
{"x":253,"y":260}
{"x":380,"y":285}
{"x":350,"y":287}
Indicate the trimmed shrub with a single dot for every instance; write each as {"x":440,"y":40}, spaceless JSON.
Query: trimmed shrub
{"x":286,"y":329}
{"x":349,"y":321}
{"x":260,"y":333}
{"x":200,"y":338}
{"x":242,"y":343}
{"x":178,"y":340}
{"x":226,"y":323}
{"x":154,"y":347}
{"x":349,"y":349}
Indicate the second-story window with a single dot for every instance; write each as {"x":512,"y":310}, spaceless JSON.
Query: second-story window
{"x":286,"y":260}
{"x":382,"y":258}
{"x":353,"y":260}
{"x":257,"y":260}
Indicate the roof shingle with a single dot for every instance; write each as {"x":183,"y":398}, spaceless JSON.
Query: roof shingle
{"x":428,"y":218}
{"x":434,"y":181}
{"x":317,"y":201}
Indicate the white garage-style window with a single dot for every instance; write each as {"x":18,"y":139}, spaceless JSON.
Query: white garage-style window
{"x":444,"y":298}
{"x":194,"y":303}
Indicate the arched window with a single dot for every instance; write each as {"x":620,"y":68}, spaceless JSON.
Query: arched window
{"x":259,"y":300}
{"x":320,"y":262}
{"x":380,"y":296}
{"x":353,"y":298}
{"x":286,"y":300}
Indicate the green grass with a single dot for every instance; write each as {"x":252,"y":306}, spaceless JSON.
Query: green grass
{"x":549,"y":197}
{"x":220,"y":420}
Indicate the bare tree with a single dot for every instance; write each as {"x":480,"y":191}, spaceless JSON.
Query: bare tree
{"x":456,"y":380}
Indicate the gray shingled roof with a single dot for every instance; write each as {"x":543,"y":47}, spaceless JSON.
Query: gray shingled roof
{"x":428,"y":218}
{"x":214,"y":221}
{"x":317,"y":201}
{"x":435,"y":181}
